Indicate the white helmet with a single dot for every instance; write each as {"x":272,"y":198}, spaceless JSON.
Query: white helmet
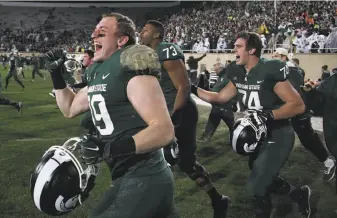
{"x":59,"y":183}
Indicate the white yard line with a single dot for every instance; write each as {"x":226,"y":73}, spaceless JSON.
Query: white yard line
{"x":40,"y":139}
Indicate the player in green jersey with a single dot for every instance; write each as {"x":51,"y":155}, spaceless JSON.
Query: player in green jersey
{"x":129,"y":111}
{"x":302,"y":122}
{"x":184,"y":113}
{"x":262,"y":86}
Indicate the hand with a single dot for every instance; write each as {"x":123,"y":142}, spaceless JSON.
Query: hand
{"x":309,"y":86}
{"x":259,"y":117}
{"x":55,"y":59}
{"x":91,"y":149}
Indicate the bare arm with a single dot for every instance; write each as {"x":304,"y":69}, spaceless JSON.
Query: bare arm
{"x":72,"y":104}
{"x":224,"y":96}
{"x":293,"y":102}
{"x":146,"y":96}
{"x":177,"y":72}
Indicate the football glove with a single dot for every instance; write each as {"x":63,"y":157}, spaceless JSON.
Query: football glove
{"x":55,"y":60}
{"x":171,"y":152}
{"x":91,"y":149}
{"x":259,"y":117}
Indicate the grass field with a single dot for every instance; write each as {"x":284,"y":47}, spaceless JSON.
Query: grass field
{"x":23,"y":139}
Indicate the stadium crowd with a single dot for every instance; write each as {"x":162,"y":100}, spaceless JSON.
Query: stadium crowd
{"x":209,"y":26}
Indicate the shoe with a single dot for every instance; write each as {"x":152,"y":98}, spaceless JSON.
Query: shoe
{"x":204,"y":139}
{"x":302,"y":197}
{"x":330,"y":169}
{"x":19,"y":107}
{"x":51,"y":94}
{"x":220,"y":207}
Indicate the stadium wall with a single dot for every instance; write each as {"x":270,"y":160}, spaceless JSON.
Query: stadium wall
{"x":311,"y":63}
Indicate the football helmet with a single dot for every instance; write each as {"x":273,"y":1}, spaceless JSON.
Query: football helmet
{"x":72,"y":65}
{"x":59,"y":183}
{"x":246,"y":136}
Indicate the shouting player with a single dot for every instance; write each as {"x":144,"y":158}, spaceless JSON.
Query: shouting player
{"x":130,"y":113}
{"x":302,"y":123}
{"x":262,"y":85}
{"x":176,"y":87}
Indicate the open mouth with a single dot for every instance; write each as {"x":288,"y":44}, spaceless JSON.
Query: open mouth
{"x":98,"y":47}
{"x":237,"y":58}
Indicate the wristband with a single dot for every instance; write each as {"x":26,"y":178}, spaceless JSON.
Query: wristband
{"x":58,"y":81}
{"x":119,"y":148}
{"x":80,"y":85}
{"x":194,"y":90}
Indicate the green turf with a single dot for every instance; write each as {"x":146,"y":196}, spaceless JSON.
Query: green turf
{"x":23,"y":139}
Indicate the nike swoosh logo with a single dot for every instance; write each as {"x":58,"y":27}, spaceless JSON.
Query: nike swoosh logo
{"x":259,"y":81}
{"x":105,"y":76}
{"x":93,"y":149}
{"x":270,"y":142}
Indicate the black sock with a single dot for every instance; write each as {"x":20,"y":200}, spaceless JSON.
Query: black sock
{"x":214,"y":195}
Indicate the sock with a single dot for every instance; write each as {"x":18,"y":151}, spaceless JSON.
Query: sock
{"x":214,"y":194}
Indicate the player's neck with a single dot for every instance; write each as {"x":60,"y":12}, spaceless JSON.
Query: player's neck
{"x":154,"y":44}
{"x":251,"y":63}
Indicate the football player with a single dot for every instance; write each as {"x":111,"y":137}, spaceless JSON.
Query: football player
{"x":302,"y":123}
{"x":86,"y":120}
{"x":184,"y":113}
{"x":19,"y":63}
{"x":262,"y":86}
{"x":6,"y":101}
{"x":35,"y":62}
{"x":13,"y":71}
{"x":130,"y":113}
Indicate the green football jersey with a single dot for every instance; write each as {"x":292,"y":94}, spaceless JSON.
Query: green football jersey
{"x":255,"y":89}
{"x":114,"y":116}
{"x":221,"y":82}
{"x":168,"y":51}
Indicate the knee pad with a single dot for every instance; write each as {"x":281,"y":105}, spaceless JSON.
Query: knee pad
{"x":171,"y":153}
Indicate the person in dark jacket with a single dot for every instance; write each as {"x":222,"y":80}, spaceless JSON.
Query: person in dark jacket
{"x":218,"y":112}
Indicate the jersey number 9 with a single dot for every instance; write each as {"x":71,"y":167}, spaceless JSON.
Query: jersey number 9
{"x":101,"y":115}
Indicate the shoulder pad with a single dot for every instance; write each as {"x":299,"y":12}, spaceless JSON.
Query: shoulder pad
{"x":278,"y":70}
{"x":141,"y":60}
{"x":170,"y":51}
